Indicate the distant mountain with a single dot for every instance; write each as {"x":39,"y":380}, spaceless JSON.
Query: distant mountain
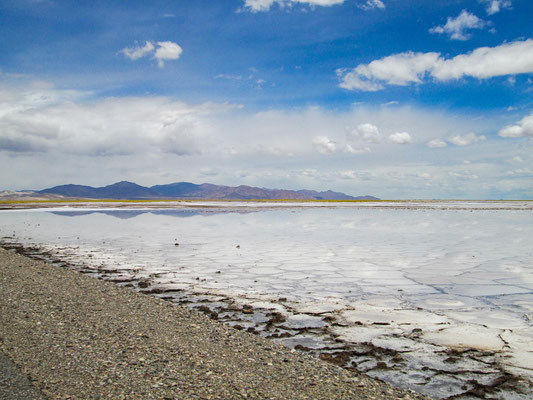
{"x":330,"y":195}
{"x":186,"y":190}
{"x":119,"y":190}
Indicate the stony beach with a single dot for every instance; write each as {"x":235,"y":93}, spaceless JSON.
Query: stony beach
{"x":76,"y":337}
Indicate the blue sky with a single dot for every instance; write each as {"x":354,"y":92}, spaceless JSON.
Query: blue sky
{"x":399,"y":99}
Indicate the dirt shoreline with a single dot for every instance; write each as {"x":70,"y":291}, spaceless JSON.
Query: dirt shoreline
{"x":80,"y":338}
{"x":251,"y":205}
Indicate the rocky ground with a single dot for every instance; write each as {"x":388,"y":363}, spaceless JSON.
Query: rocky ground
{"x":14,"y":385}
{"x":76,"y":337}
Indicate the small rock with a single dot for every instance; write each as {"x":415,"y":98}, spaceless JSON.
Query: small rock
{"x":143,"y":284}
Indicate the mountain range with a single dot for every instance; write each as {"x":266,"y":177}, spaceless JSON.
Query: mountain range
{"x":185,"y":190}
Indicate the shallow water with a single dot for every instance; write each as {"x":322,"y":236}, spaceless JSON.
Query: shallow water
{"x":436,"y":299}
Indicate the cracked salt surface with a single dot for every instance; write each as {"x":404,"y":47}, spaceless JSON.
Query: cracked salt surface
{"x":436,"y":297}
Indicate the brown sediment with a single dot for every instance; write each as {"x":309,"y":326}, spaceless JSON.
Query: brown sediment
{"x":80,"y":338}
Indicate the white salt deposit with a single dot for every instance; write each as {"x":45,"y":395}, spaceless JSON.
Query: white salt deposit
{"x":466,"y":336}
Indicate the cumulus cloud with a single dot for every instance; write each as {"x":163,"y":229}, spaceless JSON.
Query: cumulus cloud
{"x":495,"y":6}
{"x":114,"y":126}
{"x":398,"y":69}
{"x":165,"y":51}
{"x":324,"y":145}
{"x":366,"y":132}
{"x":400,"y":138}
{"x":35,"y":95}
{"x":135,"y":52}
{"x":41,"y":119}
{"x":467,"y":139}
{"x":264,"y":5}
{"x":436,"y":143}
{"x":456,"y":28}
{"x":524,"y":127}
{"x":487,"y":62}
{"x":406,"y":68}
{"x":74,"y":137}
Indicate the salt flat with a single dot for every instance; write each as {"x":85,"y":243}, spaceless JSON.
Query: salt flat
{"x":436,"y":296}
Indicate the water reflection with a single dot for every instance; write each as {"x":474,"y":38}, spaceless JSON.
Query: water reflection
{"x":127,"y":214}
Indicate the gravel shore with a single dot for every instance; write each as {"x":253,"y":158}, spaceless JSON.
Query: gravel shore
{"x":76,"y":337}
{"x":14,"y":385}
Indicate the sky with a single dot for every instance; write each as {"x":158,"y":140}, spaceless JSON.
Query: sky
{"x":400,"y":99}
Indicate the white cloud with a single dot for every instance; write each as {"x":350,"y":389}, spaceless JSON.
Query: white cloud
{"x":456,"y":28}
{"x":359,"y":175}
{"x":49,"y":136}
{"x":524,"y":127}
{"x":167,"y":51}
{"x":467,"y":139}
{"x":405,"y":68}
{"x":486,"y":62}
{"x":348,"y":174}
{"x":436,"y":143}
{"x":323,"y":3}
{"x":309,"y":172}
{"x":229,"y":77}
{"x":259,"y":5}
{"x":49,"y":120}
{"x":400,"y":138}
{"x":324,"y":145}
{"x":366,"y":132}
{"x":371,"y":4}
{"x":114,"y":126}
{"x":33,"y":96}
{"x":356,"y":149}
{"x":463,"y":175}
{"x":398,"y":69}
{"x":520,"y":171}
{"x":133,"y":53}
{"x":265,"y":5}
{"x":495,"y":6}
